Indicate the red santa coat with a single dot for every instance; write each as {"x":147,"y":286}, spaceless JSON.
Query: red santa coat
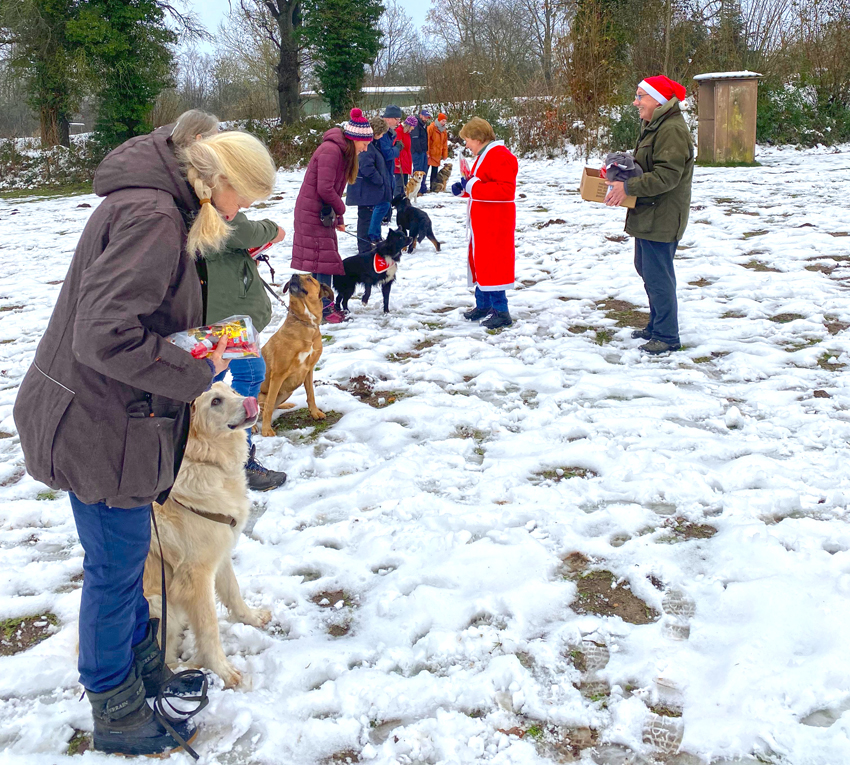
{"x":491,"y":218}
{"x":404,"y":161}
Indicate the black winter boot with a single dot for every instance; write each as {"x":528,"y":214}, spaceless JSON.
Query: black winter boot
{"x":477,"y":313}
{"x":261,"y":478}
{"x":497,"y":320}
{"x":125,"y":724}
{"x":155,"y":674}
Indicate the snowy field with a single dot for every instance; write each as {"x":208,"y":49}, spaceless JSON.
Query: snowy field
{"x":531,"y":546}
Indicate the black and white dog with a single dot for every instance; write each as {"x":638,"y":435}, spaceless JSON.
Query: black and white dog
{"x":414,"y":222}
{"x":371,"y":269}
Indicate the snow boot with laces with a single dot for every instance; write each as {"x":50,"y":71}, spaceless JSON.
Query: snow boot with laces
{"x":498,"y":320}
{"x":261,"y":478}
{"x":125,"y":724}
{"x":477,"y":313}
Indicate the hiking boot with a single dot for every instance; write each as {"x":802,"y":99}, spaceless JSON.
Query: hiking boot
{"x":641,"y":334}
{"x":477,"y":313}
{"x":125,"y":724}
{"x":260,"y":478}
{"x":155,"y":673}
{"x":657,"y":347}
{"x":497,"y":320}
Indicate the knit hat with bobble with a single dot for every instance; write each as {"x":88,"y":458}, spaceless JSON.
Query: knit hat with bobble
{"x":358,"y":128}
{"x":411,"y":120}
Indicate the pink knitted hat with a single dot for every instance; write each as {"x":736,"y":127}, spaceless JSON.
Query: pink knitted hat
{"x":358,"y":128}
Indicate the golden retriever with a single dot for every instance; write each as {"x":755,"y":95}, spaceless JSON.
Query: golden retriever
{"x":294,"y":350}
{"x":414,"y":185}
{"x":199,"y":524}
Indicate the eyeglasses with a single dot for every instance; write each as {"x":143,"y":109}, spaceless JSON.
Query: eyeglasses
{"x":639,"y":96}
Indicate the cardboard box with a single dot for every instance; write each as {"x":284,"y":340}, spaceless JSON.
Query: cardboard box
{"x":594,"y":189}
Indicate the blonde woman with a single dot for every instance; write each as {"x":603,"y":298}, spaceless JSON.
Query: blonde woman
{"x":103,"y":412}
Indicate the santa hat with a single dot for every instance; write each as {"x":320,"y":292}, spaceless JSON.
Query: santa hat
{"x":662,"y":88}
{"x":358,"y":128}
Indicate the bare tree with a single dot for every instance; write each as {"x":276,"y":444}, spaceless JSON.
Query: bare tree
{"x":398,"y":43}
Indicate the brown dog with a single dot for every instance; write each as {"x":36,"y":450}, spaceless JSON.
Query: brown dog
{"x":294,"y":350}
{"x":443,"y":175}
{"x":199,"y":525}
{"x":414,"y":185}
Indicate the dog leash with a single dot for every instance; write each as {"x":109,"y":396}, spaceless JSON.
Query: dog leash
{"x":164,"y":696}
{"x":360,"y":239}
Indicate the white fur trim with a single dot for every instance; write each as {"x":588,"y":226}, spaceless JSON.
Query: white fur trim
{"x":470,"y":183}
{"x":650,"y":91}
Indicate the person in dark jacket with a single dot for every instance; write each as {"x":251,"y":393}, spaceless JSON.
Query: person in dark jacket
{"x":665,"y":152}
{"x":390,"y":147}
{"x":103,"y":411}
{"x":419,"y":145}
{"x":371,"y":192}
{"x":234,"y":288}
{"x":315,"y":248}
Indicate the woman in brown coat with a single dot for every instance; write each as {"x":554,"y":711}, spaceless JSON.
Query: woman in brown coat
{"x":103,"y":412}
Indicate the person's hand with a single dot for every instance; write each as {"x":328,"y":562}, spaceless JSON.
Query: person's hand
{"x":340,"y":227}
{"x":280,"y":235}
{"x":219,"y":363}
{"x":457,"y":188}
{"x":616,"y":193}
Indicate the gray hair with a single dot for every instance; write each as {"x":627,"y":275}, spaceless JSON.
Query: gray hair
{"x":192,"y":124}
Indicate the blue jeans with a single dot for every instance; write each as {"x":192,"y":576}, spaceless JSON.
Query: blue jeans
{"x":378,"y":213}
{"x":654,"y":263}
{"x":497,"y":300}
{"x":420,"y":162}
{"x":113,"y":610}
{"x":247,"y":378}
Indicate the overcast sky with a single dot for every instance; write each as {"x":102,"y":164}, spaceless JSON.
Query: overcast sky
{"x":211,"y":12}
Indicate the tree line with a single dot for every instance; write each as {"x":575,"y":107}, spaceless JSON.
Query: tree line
{"x":560,"y":68}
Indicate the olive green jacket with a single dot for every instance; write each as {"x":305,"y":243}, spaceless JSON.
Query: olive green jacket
{"x":665,"y":151}
{"x":233,"y":281}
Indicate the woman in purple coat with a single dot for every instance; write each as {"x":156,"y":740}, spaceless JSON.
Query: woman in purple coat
{"x":315,"y":248}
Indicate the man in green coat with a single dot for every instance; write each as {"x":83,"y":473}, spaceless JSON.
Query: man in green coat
{"x":665,"y":152}
{"x":233,"y":287}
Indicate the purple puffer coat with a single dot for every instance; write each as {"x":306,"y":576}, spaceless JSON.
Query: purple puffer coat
{"x":314,"y":247}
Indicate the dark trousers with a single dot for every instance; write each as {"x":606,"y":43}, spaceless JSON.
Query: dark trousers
{"x":654,"y":263}
{"x":328,"y":279}
{"x":364,"y":220}
{"x":420,"y":162}
{"x":497,"y":300}
{"x":113,"y":610}
{"x":435,"y":176}
{"x":400,"y":183}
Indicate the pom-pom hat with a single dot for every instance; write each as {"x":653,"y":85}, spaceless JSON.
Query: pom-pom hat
{"x":411,"y":120}
{"x":662,"y":88}
{"x":358,"y":128}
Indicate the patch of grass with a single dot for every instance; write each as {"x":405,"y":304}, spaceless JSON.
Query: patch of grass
{"x":300,"y":419}
{"x":702,"y":359}
{"x":17,"y":635}
{"x":329,"y":599}
{"x":701,"y":282}
{"x":328,"y":340}
{"x":603,"y":336}
{"x":666,"y":711}
{"x":10,"y":308}
{"x":44,"y":192}
{"x":733,"y":315}
{"x":47,"y":496}
{"x":573,"y":565}
{"x":623,"y":313}
{"x":599,"y":594}
{"x":785,"y":318}
{"x":833,"y":326}
{"x":345,"y":757}
{"x":556,"y":475}
{"x":839,"y":233}
{"x":553,"y":222}
{"x":433,"y":324}
{"x":617,"y":238}
{"x":824,"y":269}
{"x":339,"y":630}
{"x":758,"y":265}
{"x":535,"y":731}
{"x":445,"y":309}
{"x":729,"y":164}
{"x":830,"y":366}
{"x":751,"y":234}
{"x":80,"y":742}
{"x":684,"y":529}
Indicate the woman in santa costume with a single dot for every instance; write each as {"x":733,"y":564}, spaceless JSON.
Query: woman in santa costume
{"x":491,"y":221}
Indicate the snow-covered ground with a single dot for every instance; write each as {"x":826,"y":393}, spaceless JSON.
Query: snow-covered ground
{"x":427,"y":560}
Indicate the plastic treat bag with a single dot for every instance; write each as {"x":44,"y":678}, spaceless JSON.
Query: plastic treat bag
{"x":242,"y":338}
{"x":465,"y":169}
{"x":257,"y":252}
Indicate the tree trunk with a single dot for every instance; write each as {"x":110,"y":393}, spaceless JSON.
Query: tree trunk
{"x":55,"y":128}
{"x":669,"y":15}
{"x":288,"y":74}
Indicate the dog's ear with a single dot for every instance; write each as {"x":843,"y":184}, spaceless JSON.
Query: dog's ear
{"x":326,"y":292}
{"x":286,"y":287}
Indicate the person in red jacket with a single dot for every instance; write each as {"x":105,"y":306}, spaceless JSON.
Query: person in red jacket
{"x":404,"y":163}
{"x":491,"y":216}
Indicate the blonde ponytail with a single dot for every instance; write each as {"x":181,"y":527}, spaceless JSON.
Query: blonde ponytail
{"x":231,"y":157}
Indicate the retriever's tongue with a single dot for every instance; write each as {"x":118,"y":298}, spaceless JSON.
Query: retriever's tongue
{"x":252,"y":409}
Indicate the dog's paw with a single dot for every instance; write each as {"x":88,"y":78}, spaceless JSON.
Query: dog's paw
{"x":317,"y":414}
{"x":268,"y":432}
{"x":259,"y":617}
{"x":230,"y":675}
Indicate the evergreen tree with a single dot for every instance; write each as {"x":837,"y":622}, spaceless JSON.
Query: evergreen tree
{"x":126,"y":43}
{"x":344,"y":37}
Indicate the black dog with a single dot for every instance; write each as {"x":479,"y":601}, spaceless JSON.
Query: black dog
{"x":414,"y":222}
{"x":370,"y":269}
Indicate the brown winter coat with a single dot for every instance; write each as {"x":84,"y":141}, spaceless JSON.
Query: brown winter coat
{"x":104,"y":409}
{"x":314,"y":246}
{"x":438,"y":144}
